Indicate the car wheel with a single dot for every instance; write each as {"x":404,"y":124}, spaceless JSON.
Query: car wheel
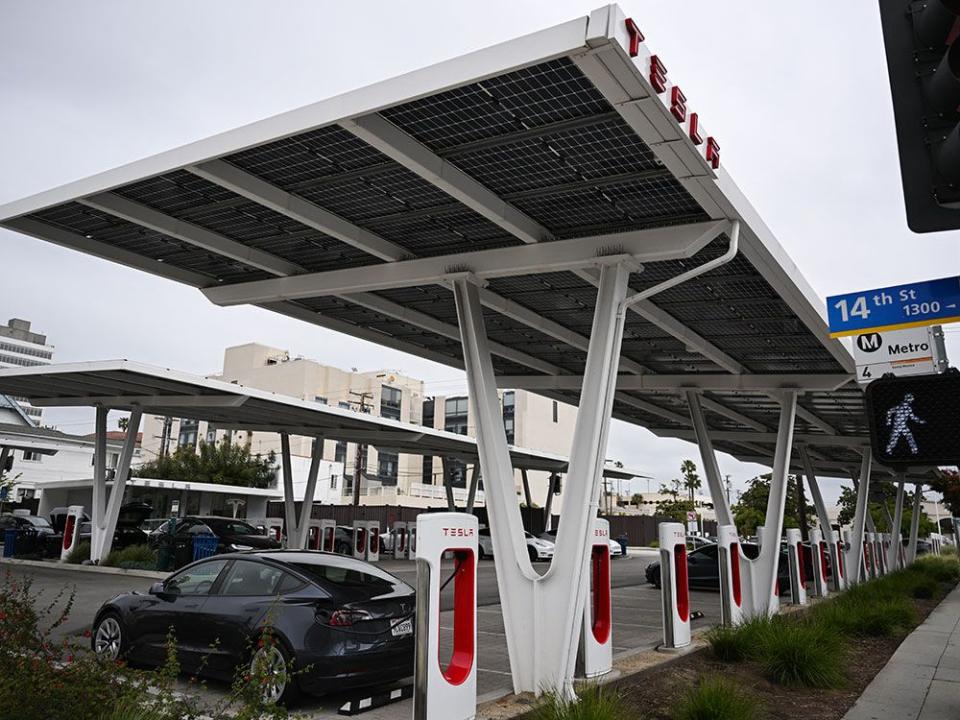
{"x":109,"y":637}
{"x":655,"y":580}
{"x":532,"y":553}
{"x":271,"y":667}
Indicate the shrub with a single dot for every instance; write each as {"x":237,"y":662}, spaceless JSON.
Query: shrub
{"x":140,"y":557}
{"x":803,"y":654}
{"x":715,"y":698}
{"x":741,"y":642}
{"x":942,"y":569}
{"x":593,"y":703}
{"x":80,"y":552}
{"x":861,"y":615}
{"x":925,"y":590}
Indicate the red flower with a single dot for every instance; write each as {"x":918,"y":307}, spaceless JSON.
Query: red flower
{"x":87,"y":633}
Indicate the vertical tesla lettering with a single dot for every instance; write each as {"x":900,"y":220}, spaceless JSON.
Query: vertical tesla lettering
{"x":713,"y":153}
{"x":658,"y":74}
{"x":899,"y":418}
{"x":636,"y":37}
{"x":695,"y":129}
{"x":678,"y":104}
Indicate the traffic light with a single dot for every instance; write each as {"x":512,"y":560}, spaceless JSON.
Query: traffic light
{"x":923,"y":60}
{"x":915,"y":421}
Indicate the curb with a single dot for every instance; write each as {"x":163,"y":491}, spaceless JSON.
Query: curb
{"x":86,"y":568}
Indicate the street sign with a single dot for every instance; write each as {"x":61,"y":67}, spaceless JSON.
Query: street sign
{"x":915,"y":421}
{"x":932,"y":302}
{"x":914,"y":351}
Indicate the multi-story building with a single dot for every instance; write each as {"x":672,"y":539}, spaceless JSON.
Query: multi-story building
{"x":21,"y":347}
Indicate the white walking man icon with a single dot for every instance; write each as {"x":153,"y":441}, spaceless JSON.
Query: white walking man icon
{"x":899,"y":417}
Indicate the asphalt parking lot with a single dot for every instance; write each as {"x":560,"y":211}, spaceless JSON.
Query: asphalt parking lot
{"x":636,"y":614}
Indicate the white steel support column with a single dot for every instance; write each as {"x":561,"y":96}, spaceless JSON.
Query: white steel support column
{"x":915,"y":524}
{"x":709,"y":458}
{"x":99,"y":501}
{"x":893,"y":552}
{"x":474,"y":482}
{"x":760,"y":575}
{"x":854,"y":553}
{"x":103,"y":528}
{"x":823,"y":518}
{"x":448,"y":484}
{"x":289,"y":507}
{"x":297,"y":536}
{"x":542,"y":615}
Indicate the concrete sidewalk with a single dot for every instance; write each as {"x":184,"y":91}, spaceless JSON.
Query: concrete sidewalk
{"x":922,"y":679}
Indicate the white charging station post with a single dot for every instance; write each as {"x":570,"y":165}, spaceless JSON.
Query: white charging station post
{"x":71,"y":530}
{"x":731,"y":589}
{"x":358,"y":544}
{"x":674,"y":585}
{"x":328,"y":535}
{"x":412,"y":539}
{"x":818,"y":563}
{"x":373,"y":540}
{"x":885,"y":554}
{"x":869,"y":571}
{"x":274,"y":528}
{"x":596,"y":641}
{"x":400,"y":540}
{"x":446,"y":690}
{"x":838,"y":577}
{"x":798,"y":586}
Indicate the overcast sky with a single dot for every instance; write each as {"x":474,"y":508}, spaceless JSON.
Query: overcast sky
{"x":796,"y":93}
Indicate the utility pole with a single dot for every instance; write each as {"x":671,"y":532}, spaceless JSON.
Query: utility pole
{"x":360,"y":461}
{"x":728,"y":489}
{"x":165,"y":436}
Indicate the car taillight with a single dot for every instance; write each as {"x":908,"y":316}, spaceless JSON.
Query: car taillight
{"x":346,"y":618}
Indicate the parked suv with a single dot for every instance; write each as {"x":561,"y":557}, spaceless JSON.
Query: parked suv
{"x":537,"y":548}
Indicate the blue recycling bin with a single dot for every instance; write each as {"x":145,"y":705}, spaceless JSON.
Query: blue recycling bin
{"x":204,"y":545}
{"x":9,"y":542}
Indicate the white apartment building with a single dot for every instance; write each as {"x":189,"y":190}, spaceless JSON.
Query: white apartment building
{"x":21,"y":347}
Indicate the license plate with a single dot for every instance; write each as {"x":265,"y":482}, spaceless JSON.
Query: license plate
{"x":403,"y":629}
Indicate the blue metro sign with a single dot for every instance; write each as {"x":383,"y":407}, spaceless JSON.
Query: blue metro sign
{"x":932,"y":302}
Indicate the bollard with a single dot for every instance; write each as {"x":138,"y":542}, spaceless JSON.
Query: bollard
{"x":675,"y":589}
{"x":328,"y":535}
{"x":596,"y":640}
{"x":731,"y":589}
{"x":798,"y":588}
{"x":818,"y":564}
{"x":71,"y":530}
{"x":373,"y":541}
{"x":359,"y":544}
{"x":400,"y":540}
{"x":446,"y":693}
{"x":837,"y":548}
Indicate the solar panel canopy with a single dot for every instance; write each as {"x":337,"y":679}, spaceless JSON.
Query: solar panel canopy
{"x":572,"y":133}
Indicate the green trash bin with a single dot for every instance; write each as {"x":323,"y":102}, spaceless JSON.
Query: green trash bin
{"x":165,"y":546}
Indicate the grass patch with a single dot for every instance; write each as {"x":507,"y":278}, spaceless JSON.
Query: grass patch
{"x":715,"y":698}
{"x":741,"y":642}
{"x":864,"y":616}
{"x":80,"y":552}
{"x":803,"y":654}
{"x":593,"y":703}
{"x":139,"y":557}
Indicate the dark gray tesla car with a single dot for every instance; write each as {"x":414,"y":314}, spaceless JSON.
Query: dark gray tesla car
{"x":339,"y":623}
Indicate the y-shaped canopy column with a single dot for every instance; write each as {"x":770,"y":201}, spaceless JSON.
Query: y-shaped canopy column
{"x":298,"y":530}
{"x":915,"y":524}
{"x":854,"y":553}
{"x":823,"y":518}
{"x":106,"y":507}
{"x":709,"y":458}
{"x":893,"y":552}
{"x":760,"y":575}
{"x":542,"y":615}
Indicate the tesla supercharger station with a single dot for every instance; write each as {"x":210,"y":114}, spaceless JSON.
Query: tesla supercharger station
{"x":674,"y":585}
{"x":819,"y":552}
{"x":373,"y":540}
{"x":412,"y":540}
{"x":838,"y":577}
{"x":71,"y":530}
{"x":274,"y":528}
{"x":359,"y":544}
{"x":400,"y":538}
{"x":328,"y":535}
{"x":798,"y":587}
{"x":879,"y":554}
{"x":596,"y":638}
{"x":869,"y":568}
{"x":885,"y":563}
{"x":313,"y":535}
{"x":731,"y":589}
{"x":901,"y":553}
{"x":446,"y":690}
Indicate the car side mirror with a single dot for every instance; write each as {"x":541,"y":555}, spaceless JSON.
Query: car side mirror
{"x":158,"y":590}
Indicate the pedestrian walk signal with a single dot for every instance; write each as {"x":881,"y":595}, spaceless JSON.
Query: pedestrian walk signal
{"x":915,"y":421}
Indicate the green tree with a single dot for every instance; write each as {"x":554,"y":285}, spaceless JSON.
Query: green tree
{"x":7,"y":483}
{"x":636,"y":499}
{"x":752,"y":508}
{"x":223,"y":463}
{"x":888,"y":492}
{"x":947,"y":483}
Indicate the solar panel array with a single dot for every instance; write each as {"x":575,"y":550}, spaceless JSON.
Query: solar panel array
{"x":546,"y":140}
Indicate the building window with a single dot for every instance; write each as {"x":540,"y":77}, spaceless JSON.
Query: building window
{"x":556,"y":411}
{"x":320,"y":399}
{"x":390,"y":402}
{"x":509,"y":416}
{"x":428,"y":470}
{"x":387,"y":468}
{"x":428,"y":413}
{"x":188,"y":433}
{"x":333,"y":482}
{"x":456,"y":415}
{"x":340,"y":452}
{"x":31,"y":456}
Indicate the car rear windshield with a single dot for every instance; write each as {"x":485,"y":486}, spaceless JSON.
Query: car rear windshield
{"x":345,"y":576}
{"x":231,"y":527}
{"x":37,"y":521}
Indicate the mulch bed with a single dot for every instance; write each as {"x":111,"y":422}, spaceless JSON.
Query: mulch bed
{"x":654,"y":692}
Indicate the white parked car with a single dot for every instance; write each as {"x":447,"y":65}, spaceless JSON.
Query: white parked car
{"x":615,"y":549}
{"x":538,"y":548}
